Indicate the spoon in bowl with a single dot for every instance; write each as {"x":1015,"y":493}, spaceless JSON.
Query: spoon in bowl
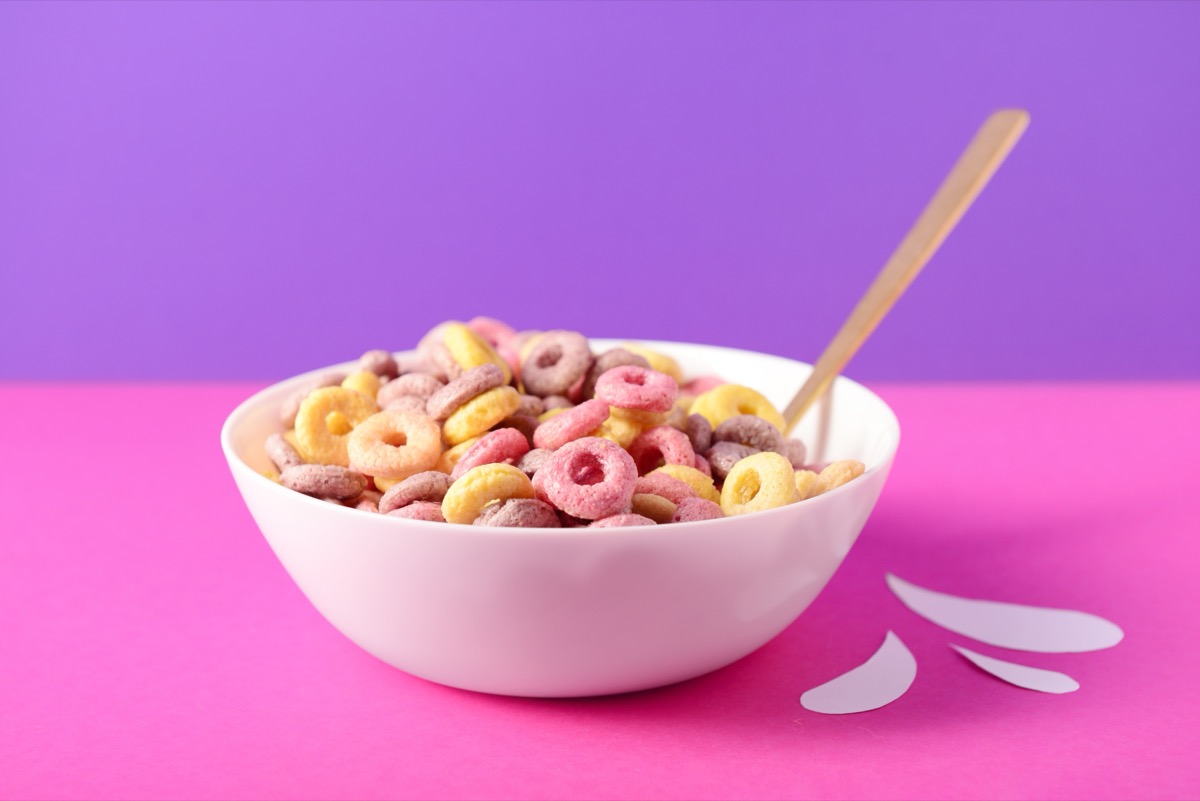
{"x":975,"y":167}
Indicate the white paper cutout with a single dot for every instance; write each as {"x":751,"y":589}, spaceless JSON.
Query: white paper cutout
{"x":1024,"y":628}
{"x":1031,"y":678}
{"x":880,"y":680}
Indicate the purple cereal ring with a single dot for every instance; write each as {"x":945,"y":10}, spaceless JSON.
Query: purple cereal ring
{"x":280,"y":451}
{"x":572,"y":424}
{"x":291,"y":406}
{"x":420,"y":510}
{"x":622,"y":520}
{"x":519,"y":513}
{"x":751,"y":430}
{"x":617,"y":357}
{"x":531,"y":405}
{"x":722,"y":456}
{"x":661,"y":444}
{"x":699,"y":432}
{"x":476,"y":381}
{"x":496,"y":332}
{"x":416,"y":385}
{"x":795,"y":451}
{"x":443,"y":360}
{"x":505,"y":445}
{"x":589,"y":478}
{"x":556,"y":402}
{"x":703,"y":466}
{"x":556,"y":361}
{"x":324,"y":481}
{"x":692,"y":509}
{"x":428,"y":486}
{"x":663,"y":485}
{"x":379,"y":362}
{"x":531,"y":462}
{"x":633,"y":387}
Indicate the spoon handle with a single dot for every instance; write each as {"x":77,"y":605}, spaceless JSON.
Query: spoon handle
{"x":995,"y":138}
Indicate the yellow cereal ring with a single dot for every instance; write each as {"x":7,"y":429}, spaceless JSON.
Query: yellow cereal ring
{"x":480,"y":413}
{"x":806,"y":484}
{"x":761,"y":481}
{"x":290,"y":436}
{"x":363,"y":381}
{"x":481,"y":485}
{"x":658,"y":361}
{"x":638,"y":417}
{"x":384,"y":484}
{"x":729,"y":400}
{"x":702,"y":484}
{"x":469,"y":349}
{"x":395,"y":443}
{"x":325,"y":420}
{"x":451,"y":456}
{"x":618,"y":430}
{"x":839,"y":473}
{"x":271,"y":474}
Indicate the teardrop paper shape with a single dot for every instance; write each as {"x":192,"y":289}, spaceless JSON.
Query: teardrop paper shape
{"x":1031,"y":678}
{"x":880,"y":680}
{"x":1024,"y":628}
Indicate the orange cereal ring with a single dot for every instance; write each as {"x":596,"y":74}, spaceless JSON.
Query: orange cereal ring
{"x":479,"y":414}
{"x":325,"y":420}
{"x":481,"y":485}
{"x":469,"y":349}
{"x":395,"y":444}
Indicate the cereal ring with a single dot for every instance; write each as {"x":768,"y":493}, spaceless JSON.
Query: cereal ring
{"x":481,"y":485}
{"x":589,"y":478}
{"x":618,"y":430}
{"x":479,"y":414}
{"x":722,"y":456}
{"x":363,"y":381}
{"x":633,"y":387}
{"x":495,"y":332}
{"x":324,"y":481}
{"x":421,"y":510}
{"x":419,"y":385}
{"x":473,"y":382}
{"x":524,"y":423}
{"x":661,"y":444}
{"x":281,"y":453}
{"x":758,"y":482}
{"x":692,"y":509}
{"x":551,"y":413}
{"x":555,"y":402}
{"x":677,"y":417}
{"x":366,"y":504}
{"x":839,"y":473}
{"x":699,"y":432}
{"x":415,"y":362}
{"x":504,"y":445}
{"x":519,"y":513}
{"x":395,"y":444}
{"x":703,"y":466}
{"x":427,"y":486}
{"x":617,"y":357}
{"x":555,"y":361}
{"x":662,"y":484}
{"x":531,"y":405}
{"x":729,"y":400}
{"x":379,"y":362}
{"x":572,"y":424}
{"x":469,"y":349}
{"x":795,"y":451}
{"x":287,"y":412}
{"x":531,"y":462}
{"x":451,"y":456}
{"x":325,"y":419}
{"x":405,"y":403}
{"x":622,"y":520}
{"x":658,"y":361}
{"x":751,"y":430}
{"x":703,"y":383}
{"x":806,"y":484}
{"x":570,"y":521}
{"x":637,"y":417}
{"x":702,"y":484}
{"x":655,"y":507}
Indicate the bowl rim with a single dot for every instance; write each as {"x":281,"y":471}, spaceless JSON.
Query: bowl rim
{"x":238,"y":465}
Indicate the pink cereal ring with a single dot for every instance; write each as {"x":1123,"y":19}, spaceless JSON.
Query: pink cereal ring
{"x":428,"y":486}
{"x":379,"y":362}
{"x":691,"y":509}
{"x":665,"y":486}
{"x":420,"y":510}
{"x":702,"y":384}
{"x":531,"y":462}
{"x":476,"y":381}
{"x":556,"y":361}
{"x":703,"y":466}
{"x":606,"y":361}
{"x":633,"y":387}
{"x":505,"y":445}
{"x":661,"y":444}
{"x":589,"y":478}
{"x":496,"y":332}
{"x":623,"y":520}
{"x":575,"y":422}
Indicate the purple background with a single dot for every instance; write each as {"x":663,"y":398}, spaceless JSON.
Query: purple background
{"x":206,"y":190}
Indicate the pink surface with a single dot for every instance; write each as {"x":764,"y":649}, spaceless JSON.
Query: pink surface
{"x":152,"y":647}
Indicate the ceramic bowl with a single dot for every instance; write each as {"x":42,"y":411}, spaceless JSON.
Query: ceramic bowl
{"x":574,"y":612}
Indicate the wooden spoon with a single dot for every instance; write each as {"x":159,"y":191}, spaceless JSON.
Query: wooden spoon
{"x":975,"y":167}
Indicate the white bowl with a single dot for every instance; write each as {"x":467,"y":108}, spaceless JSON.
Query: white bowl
{"x":574,"y":612}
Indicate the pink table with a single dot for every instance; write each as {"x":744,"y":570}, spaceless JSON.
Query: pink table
{"x":152,"y":647}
